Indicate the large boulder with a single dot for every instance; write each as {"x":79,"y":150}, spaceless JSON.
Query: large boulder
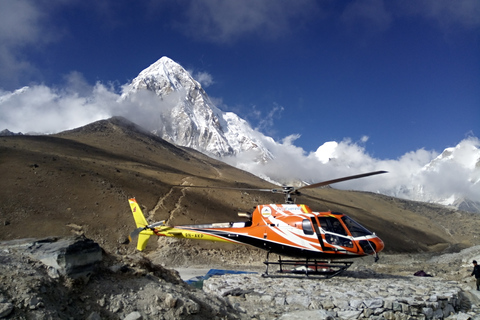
{"x":74,"y":257}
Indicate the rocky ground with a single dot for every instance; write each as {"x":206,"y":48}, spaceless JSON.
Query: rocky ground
{"x":75,"y":279}
{"x":39,"y":282}
{"x":387,"y":289}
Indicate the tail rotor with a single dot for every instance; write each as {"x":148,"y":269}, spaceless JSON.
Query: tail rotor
{"x":144,"y":230}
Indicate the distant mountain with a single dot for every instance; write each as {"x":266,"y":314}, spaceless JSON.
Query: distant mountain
{"x":461,"y":161}
{"x":7,"y":96}
{"x":464,"y":164}
{"x":187,"y":117}
{"x":7,"y":132}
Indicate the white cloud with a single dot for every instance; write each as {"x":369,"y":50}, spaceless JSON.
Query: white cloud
{"x":406,"y":178}
{"x":226,"y":21}
{"x":376,"y":16}
{"x":45,"y":110}
{"x":21,"y":24}
{"x":144,"y":108}
{"x":28,"y":26}
{"x":204,"y":78}
{"x":445,"y":13}
{"x":371,"y":14}
{"x":265,"y":123}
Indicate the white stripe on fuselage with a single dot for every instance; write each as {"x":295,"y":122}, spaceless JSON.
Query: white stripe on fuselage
{"x":288,"y":232}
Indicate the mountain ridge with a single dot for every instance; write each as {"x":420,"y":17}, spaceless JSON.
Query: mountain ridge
{"x":79,"y":181}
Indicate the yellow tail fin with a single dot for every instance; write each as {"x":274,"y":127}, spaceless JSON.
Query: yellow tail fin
{"x":141,"y":222}
{"x":137,"y":213}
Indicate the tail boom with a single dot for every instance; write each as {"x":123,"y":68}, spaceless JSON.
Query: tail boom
{"x":199,"y":234}
{"x":144,"y":230}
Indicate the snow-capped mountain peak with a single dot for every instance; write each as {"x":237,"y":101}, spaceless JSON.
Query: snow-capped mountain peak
{"x":18,"y":92}
{"x":165,"y":76}
{"x":464,"y":154}
{"x":187,"y":116}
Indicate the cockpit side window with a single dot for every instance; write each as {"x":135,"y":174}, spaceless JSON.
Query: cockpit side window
{"x":307,"y":227}
{"x":332,"y":224}
{"x":356,"y":229}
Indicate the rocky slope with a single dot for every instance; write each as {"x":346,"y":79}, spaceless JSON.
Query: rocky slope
{"x":79,"y":181}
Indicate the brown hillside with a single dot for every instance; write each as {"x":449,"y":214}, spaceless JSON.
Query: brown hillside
{"x":80,"y":180}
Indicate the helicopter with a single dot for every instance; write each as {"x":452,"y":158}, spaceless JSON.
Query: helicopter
{"x":319,"y":242}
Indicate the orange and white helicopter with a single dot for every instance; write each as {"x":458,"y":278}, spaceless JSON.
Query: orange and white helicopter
{"x":323,"y":240}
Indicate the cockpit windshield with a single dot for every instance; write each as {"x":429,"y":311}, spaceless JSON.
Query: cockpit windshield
{"x":332,"y":224}
{"x":335,"y":233}
{"x":355,"y":228}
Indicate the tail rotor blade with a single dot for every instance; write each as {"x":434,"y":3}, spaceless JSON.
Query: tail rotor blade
{"x":156,"y":224}
{"x":135,"y":233}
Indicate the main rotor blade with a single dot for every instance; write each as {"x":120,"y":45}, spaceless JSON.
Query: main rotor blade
{"x":226,"y":188}
{"x":287,"y":190}
{"x":326,"y":183}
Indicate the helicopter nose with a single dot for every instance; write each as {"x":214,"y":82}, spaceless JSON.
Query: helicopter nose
{"x":372,"y":246}
{"x":379,"y":244}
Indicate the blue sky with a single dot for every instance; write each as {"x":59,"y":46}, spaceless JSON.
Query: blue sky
{"x":391,"y":76}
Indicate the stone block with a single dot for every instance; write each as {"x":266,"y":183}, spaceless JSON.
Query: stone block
{"x":356,"y":303}
{"x":373,"y":303}
{"x":295,"y":299}
{"x":341,"y":304}
{"x":448,"y":310}
{"x":428,"y":312}
{"x":74,"y":257}
{"x":348,"y":314}
{"x":307,"y":314}
{"x":5,"y":309}
{"x":133,"y":316}
{"x":328,"y":304}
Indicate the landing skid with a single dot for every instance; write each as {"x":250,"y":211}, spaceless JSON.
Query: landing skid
{"x":308,"y":268}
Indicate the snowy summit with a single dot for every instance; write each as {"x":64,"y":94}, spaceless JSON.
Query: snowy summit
{"x":186,"y":116}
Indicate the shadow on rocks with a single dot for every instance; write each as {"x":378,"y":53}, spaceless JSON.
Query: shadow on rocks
{"x":369,"y":274}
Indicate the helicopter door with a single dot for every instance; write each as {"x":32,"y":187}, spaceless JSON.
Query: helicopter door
{"x":335,"y":233}
{"x":306,"y":226}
